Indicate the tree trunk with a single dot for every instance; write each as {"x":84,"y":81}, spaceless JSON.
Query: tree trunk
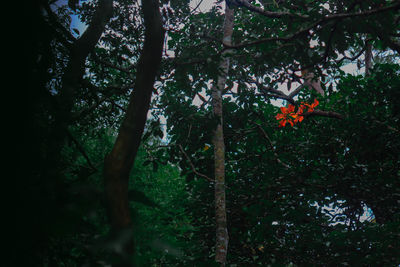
{"x":73,"y":75}
{"x":222,"y":237}
{"x":368,"y":58}
{"x":310,"y":81}
{"x":119,"y":161}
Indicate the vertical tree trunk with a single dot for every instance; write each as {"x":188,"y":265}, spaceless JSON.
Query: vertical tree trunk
{"x":368,"y":58}
{"x":222,"y":237}
{"x":119,"y":161}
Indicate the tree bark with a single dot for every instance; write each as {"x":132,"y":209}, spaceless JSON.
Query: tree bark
{"x":368,"y":58}
{"x":222,"y":237}
{"x":310,"y":81}
{"x":119,"y":161}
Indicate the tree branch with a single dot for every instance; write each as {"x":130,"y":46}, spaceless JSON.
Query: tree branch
{"x":266,"y":137}
{"x":266,"y":13}
{"x":193,"y":167}
{"x":353,"y":57}
{"x":268,"y":91}
{"x":322,"y":113}
{"x":100,"y":100}
{"x":315,"y":24}
{"x":109,"y":64}
{"x":82,"y":150}
{"x":362,"y":13}
{"x":387,"y":126}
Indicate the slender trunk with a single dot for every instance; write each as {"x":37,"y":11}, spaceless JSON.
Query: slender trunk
{"x":119,"y":161}
{"x":368,"y":58}
{"x":222,"y":237}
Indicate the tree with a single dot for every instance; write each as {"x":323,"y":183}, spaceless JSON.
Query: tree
{"x":222,"y":237}
{"x":120,"y":160}
{"x":46,"y":115}
{"x":292,"y":172}
{"x":257,"y":70}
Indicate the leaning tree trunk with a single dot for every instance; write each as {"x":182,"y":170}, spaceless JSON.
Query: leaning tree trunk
{"x":119,"y":161}
{"x":76,"y":67}
{"x":222,"y":237}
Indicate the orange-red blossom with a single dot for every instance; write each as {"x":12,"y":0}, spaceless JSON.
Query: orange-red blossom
{"x":289,"y":116}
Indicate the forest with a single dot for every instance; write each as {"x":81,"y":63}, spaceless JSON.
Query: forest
{"x":205,"y":133}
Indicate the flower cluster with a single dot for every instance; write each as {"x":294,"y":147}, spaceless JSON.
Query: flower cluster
{"x":289,"y":116}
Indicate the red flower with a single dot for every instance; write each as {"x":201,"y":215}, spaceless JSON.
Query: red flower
{"x":288,"y":113}
{"x":312,"y":106}
{"x":286,"y":116}
{"x":299,"y":114}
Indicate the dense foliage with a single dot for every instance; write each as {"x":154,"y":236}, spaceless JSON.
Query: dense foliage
{"x":311,"y":178}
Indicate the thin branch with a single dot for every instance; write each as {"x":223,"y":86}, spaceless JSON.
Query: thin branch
{"x":111,"y":65}
{"x":117,"y":105}
{"x":387,"y":126}
{"x":89,"y":110}
{"x":267,"y":13}
{"x":194,"y":9}
{"x":101,"y":100}
{"x":269,"y":95}
{"x":268,"y":91}
{"x":266,"y":137}
{"x":353,"y":57}
{"x":315,"y":24}
{"x":82,"y":150}
{"x":322,"y":113}
{"x":296,"y":91}
{"x":201,"y":97}
{"x":192,"y":165}
{"x":363,"y":13}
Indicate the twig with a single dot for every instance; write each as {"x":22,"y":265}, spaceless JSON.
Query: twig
{"x":387,"y":126}
{"x":313,"y":25}
{"x":272,"y":146}
{"x":267,"y":13}
{"x":296,"y":91}
{"x":352,"y":58}
{"x":194,"y":9}
{"x":82,"y":150}
{"x":111,"y":65}
{"x":193,"y":167}
{"x":322,"y":113}
{"x":268,"y":91}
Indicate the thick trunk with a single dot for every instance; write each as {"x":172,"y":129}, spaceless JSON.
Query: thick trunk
{"x":119,"y":161}
{"x":222,"y":237}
